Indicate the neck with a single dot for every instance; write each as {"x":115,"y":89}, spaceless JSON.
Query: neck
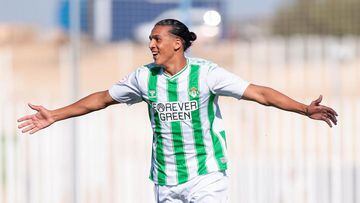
{"x":174,"y":66}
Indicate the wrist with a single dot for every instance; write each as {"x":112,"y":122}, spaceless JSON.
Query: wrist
{"x":53,"y":116}
{"x":306,"y":111}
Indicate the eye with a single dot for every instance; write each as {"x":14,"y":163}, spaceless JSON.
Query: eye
{"x":156,"y":38}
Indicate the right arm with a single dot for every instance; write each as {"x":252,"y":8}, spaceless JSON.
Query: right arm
{"x":90,"y":103}
{"x":44,"y":117}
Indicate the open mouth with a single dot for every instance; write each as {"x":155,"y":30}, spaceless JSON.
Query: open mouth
{"x":155,"y":54}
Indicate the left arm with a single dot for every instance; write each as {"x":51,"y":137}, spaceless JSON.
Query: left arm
{"x":270,"y":97}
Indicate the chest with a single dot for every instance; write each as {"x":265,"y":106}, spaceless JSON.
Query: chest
{"x":177,"y":100}
{"x":182,"y":89}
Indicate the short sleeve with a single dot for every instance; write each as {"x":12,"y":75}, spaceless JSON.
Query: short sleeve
{"x":224,"y":83}
{"x":127,"y":90}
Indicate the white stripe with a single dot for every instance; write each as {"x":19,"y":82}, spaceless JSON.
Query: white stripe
{"x":218,"y":126}
{"x":170,"y":161}
{"x":187,"y":128}
{"x":155,"y":170}
{"x":152,"y":121}
{"x":211,"y":164}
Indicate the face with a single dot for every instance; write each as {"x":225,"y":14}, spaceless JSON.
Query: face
{"x":163,"y":45}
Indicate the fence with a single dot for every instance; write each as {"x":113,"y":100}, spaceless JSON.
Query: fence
{"x":275,"y":156}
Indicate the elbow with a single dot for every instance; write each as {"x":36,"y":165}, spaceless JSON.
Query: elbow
{"x":263,"y":99}
{"x":95,"y":107}
{"x":265,"y":103}
{"x":101,"y":106}
{"x":98,"y":102}
{"x":266,"y":97}
{"x":260,"y":94}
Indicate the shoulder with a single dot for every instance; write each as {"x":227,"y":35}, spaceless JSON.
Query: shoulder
{"x":144,"y":70}
{"x":203,"y":63}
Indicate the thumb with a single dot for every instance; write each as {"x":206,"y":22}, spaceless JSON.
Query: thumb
{"x":34,"y":107}
{"x":318,"y":100}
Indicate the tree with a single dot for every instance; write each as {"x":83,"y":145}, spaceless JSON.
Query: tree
{"x":324,"y":17}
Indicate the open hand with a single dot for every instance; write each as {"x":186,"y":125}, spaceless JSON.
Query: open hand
{"x":320,"y":112}
{"x":37,"y":121}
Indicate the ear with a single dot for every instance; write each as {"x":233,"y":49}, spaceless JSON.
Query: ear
{"x":177,"y":44}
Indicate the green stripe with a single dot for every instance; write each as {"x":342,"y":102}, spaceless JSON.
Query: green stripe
{"x":160,"y":158}
{"x":196,"y":121}
{"x":182,"y":172}
{"x":152,"y":153}
{"x":218,"y":149}
{"x":223,"y":135}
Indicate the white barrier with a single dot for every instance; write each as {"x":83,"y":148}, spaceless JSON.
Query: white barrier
{"x":275,"y":156}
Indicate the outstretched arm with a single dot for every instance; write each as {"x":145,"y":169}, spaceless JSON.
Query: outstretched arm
{"x":44,"y":117}
{"x":271,"y":97}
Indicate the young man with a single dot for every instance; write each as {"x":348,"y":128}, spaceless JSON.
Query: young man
{"x":189,"y":153}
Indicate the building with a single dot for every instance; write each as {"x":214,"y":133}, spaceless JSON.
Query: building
{"x":114,"y":20}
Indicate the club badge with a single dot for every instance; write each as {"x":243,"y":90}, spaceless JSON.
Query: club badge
{"x":193,"y":92}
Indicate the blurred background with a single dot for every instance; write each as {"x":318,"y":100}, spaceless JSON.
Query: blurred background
{"x":53,"y":52}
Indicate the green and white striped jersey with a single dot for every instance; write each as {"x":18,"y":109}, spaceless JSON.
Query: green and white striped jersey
{"x":188,"y":134}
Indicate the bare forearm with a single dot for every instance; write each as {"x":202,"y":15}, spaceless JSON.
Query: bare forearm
{"x":270,"y":97}
{"x":281,"y":101}
{"x":88,"y":104}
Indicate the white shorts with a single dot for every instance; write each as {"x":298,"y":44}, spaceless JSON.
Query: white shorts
{"x":209,"y":188}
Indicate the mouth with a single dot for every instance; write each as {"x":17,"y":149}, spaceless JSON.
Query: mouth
{"x":155,"y":55}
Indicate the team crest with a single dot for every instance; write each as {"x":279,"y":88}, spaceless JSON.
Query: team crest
{"x":193,"y":92}
{"x":152,"y":94}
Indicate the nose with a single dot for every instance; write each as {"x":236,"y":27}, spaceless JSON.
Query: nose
{"x":152,"y":44}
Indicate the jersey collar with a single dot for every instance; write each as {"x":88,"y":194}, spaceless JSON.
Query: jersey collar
{"x":170,"y":77}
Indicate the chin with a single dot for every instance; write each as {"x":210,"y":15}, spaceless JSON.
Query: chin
{"x":157,"y":62}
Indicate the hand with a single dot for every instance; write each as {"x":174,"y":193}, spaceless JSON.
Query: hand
{"x":36,"y":122}
{"x":320,"y":112}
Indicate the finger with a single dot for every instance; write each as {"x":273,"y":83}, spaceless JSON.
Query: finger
{"x":324,"y":118}
{"x":332,"y":113}
{"x":34,"y":107}
{"x":25,"y":124}
{"x":24,"y":118}
{"x":332,"y":118}
{"x":330,"y":110}
{"x":34,"y":130}
{"x":326,"y":110}
{"x":28,"y":128}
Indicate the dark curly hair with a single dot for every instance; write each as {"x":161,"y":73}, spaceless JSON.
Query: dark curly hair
{"x":179,"y":29}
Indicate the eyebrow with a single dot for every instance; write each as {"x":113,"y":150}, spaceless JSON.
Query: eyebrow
{"x":154,"y":36}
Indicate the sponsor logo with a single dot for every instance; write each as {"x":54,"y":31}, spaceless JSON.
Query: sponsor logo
{"x":175,"y":111}
{"x":193,"y":92}
{"x":152,"y":94}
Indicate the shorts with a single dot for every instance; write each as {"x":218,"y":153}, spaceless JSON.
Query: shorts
{"x":209,"y":188}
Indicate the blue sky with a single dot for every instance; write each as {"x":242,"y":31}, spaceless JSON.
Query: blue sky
{"x":250,"y":8}
{"x":36,"y":12}
{"x":43,"y":13}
